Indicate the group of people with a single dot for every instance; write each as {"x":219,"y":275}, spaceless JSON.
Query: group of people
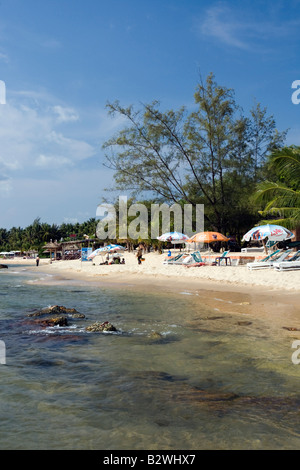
{"x":114,"y":258}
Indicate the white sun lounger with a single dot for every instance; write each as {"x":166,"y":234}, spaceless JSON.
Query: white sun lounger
{"x":289,"y":265}
{"x":178,"y":259}
{"x":268,"y":262}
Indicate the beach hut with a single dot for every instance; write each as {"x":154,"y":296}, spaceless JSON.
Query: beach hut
{"x":71,"y":250}
{"x":52,"y":247}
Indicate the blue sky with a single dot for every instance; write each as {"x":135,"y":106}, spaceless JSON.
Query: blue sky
{"x":63,"y":60}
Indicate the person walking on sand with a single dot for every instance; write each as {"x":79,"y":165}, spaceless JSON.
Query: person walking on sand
{"x":139,"y":254}
{"x":37,"y":261}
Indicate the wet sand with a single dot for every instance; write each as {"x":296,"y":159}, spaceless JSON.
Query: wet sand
{"x":278,"y":306}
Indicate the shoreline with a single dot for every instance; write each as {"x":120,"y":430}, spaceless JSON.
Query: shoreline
{"x":276,"y":303}
{"x":153,"y":271}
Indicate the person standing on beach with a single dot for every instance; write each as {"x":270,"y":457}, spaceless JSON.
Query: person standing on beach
{"x":139,"y":254}
{"x":37,"y":261}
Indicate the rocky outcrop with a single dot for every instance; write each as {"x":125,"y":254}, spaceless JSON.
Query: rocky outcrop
{"x":3,"y":266}
{"x":52,"y":321}
{"x":58,"y":315}
{"x":55,"y":315}
{"x":154,"y":335}
{"x":97,"y":326}
{"x":57,"y":310}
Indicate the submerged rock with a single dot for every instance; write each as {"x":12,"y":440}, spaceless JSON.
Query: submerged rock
{"x":97,"y":326}
{"x":155,"y":335}
{"x":77,"y":315}
{"x":54,"y":315}
{"x":53,"y":321}
{"x":56,"y":310}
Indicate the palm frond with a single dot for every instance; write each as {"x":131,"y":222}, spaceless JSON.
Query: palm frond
{"x":282,"y":199}
{"x":286,"y":163}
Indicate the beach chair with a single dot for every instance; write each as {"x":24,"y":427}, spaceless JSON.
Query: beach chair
{"x":291,"y":264}
{"x":194,"y":261}
{"x":178,"y":259}
{"x":268,"y":261}
{"x":270,"y":244}
{"x":266,"y":258}
{"x":197,"y":257}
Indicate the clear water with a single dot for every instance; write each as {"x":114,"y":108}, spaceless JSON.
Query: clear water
{"x":212,"y":380}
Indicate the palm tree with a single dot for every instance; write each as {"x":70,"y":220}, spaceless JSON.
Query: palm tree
{"x":281,"y":199}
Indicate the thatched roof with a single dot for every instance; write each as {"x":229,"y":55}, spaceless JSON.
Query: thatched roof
{"x":72,"y":246}
{"x":52,"y":246}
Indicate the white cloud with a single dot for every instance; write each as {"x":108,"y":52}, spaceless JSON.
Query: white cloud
{"x":3,"y":57}
{"x":65,"y":114}
{"x":44,"y":144}
{"x":5,"y":187}
{"x":46,"y":161}
{"x":74,"y":149}
{"x":218,"y":25}
{"x":31,"y":137}
{"x":237,"y":29}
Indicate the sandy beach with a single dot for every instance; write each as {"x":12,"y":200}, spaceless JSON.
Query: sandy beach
{"x":260,"y":292}
{"x":153,"y":270}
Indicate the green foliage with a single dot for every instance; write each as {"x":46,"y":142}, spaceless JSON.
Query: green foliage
{"x":213,"y":156}
{"x":280,"y":199}
{"x":37,"y":234}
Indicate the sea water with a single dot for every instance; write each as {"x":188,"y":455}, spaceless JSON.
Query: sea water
{"x":177,"y":373}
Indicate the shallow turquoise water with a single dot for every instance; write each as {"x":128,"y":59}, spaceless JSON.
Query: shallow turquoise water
{"x":206,"y":383}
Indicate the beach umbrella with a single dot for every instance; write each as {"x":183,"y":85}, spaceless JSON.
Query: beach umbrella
{"x":106,"y":249}
{"x":272,"y":232}
{"x":173,"y":237}
{"x":208,"y":237}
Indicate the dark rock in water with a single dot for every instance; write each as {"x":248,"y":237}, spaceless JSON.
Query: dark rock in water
{"x":54,"y":315}
{"x":77,"y":315}
{"x":53,"y":321}
{"x":3,"y":266}
{"x":57,"y":310}
{"x":155,"y":335}
{"x":97,"y":326}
